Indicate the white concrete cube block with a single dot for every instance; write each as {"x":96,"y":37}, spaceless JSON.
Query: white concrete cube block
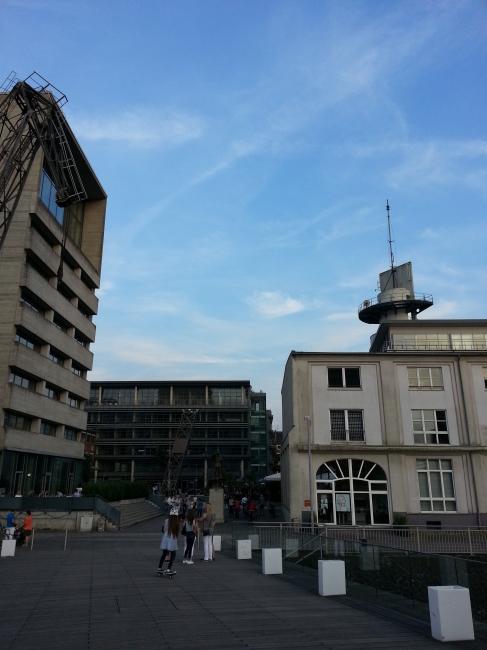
{"x":255,"y":541}
{"x":244,"y":549}
{"x":331,"y":578}
{"x":217,"y":542}
{"x":8,"y":547}
{"x":291,"y":547}
{"x":271,"y":561}
{"x":450,"y":613}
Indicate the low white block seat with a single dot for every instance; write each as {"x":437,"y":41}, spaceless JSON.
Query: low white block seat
{"x":217,"y":542}
{"x":450,"y":613}
{"x":8,"y":547}
{"x":331,"y":578}
{"x":244,"y":549}
{"x":271,"y":561}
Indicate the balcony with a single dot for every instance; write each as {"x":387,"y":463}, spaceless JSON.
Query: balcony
{"x":346,"y":435}
{"x":37,"y":324}
{"x":36,"y":405}
{"x":36,"y":443}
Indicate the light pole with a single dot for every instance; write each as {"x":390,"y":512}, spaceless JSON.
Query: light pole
{"x":308,"y":424}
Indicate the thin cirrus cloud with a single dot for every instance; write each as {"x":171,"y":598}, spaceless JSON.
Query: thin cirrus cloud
{"x":140,"y":127}
{"x":273,"y":304}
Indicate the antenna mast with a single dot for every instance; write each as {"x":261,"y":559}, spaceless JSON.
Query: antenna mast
{"x":390,"y":240}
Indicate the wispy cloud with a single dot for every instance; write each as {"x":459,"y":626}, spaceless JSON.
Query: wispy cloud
{"x":272,"y":304}
{"x":140,"y":127}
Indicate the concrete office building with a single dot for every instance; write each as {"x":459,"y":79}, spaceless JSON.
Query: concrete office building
{"x":133,"y":420}
{"x":46,"y":330}
{"x":259,"y":447}
{"x":399,"y":429}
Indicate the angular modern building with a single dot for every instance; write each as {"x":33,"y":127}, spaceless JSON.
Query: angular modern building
{"x":46,"y":328}
{"x":259,"y":447}
{"x":401,"y":428}
{"x":136,"y":423}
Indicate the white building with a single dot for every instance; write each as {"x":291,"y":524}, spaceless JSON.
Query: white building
{"x":400,"y":429}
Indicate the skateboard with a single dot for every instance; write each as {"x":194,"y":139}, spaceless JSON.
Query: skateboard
{"x":167,"y":575}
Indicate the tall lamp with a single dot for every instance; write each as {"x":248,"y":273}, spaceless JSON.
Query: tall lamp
{"x":308,"y":424}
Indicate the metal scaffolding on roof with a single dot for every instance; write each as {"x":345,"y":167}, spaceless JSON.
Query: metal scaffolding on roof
{"x":178,"y":451}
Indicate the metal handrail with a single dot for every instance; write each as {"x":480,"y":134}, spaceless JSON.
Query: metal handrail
{"x":404,"y":296}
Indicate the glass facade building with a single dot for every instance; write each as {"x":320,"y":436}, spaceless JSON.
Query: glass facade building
{"x":259,"y":444}
{"x":136,"y":422}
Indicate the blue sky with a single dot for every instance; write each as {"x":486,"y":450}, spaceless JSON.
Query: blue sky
{"x":248,"y":148}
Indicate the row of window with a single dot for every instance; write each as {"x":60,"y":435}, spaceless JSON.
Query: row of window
{"x":163,"y":417}
{"x":160,"y":396}
{"x":418,"y":377}
{"x":71,"y":217}
{"x":118,"y":434}
{"x":193,"y":450}
{"x":24,"y":423}
{"x":57,"y":320}
{"x":49,"y":391}
{"x":429,"y":426}
{"x":53,"y":354}
{"x":435,"y":341}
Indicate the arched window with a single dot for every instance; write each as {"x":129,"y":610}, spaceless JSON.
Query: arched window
{"x":352,"y":492}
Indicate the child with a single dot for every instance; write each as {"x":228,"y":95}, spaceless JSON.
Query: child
{"x":169,"y":542}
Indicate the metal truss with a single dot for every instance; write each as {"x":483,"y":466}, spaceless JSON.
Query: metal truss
{"x":31,"y":117}
{"x":178,"y":451}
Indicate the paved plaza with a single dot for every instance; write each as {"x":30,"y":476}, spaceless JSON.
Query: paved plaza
{"x":103,"y":593}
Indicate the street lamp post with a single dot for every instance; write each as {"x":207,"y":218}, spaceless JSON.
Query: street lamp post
{"x":308,"y":424}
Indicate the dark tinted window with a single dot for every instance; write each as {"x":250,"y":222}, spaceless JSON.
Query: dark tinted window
{"x":352,"y":377}
{"x":335,"y":377}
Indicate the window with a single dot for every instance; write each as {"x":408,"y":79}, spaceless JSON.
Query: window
{"x":425,"y":378}
{"x":344,"y":377}
{"x":21,"y":380}
{"x":189,"y":395}
{"x":94,"y":395}
{"x":153,"y":396}
{"x":436,"y":488}
{"x":30,"y":302}
{"x":421,"y":342}
{"x":51,"y":392}
{"x":55,"y":356}
{"x":118,"y":397}
{"x":69,"y":433}
{"x":352,"y":492}
{"x":83,"y":309}
{"x":17,"y":421}
{"x":469,"y":341}
{"x":72,"y":401}
{"x":430,"y":427}
{"x":347,"y":426}
{"x":223,"y":396}
{"x":80,"y":339}
{"x":47,"y":428}
{"x":485,"y":378}
{"x":47,"y":194}
{"x":39,"y":268}
{"x":77,"y":370}
{"x":28,"y":342}
{"x":57,"y":322}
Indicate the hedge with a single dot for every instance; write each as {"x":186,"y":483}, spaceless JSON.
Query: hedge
{"x":116,"y":490}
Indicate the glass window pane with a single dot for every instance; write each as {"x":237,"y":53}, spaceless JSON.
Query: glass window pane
{"x":377,"y":474}
{"x":438,"y":506}
{"x":434,"y":464}
{"x":450,"y":506}
{"x":421,"y":463}
{"x":337,"y":419}
{"x":431,"y":439}
{"x":380,"y":508}
{"x":419,"y":438}
{"x":424,"y":376}
{"x":436,"y":487}
{"x":352,"y":377}
{"x":343,"y":464}
{"x":417,"y":426}
{"x":335,"y":377}
{"x":446,"y":464}
{"x":425,"y":506}
{"x":356,"y":466}
{"x":424,"y":490}
{"x":416,"y":415}
{"x":436,"y":377}
{"x":448,"y":484}
{"x":412,"y":377}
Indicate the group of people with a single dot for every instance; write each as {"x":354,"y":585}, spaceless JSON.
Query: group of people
{"x":249,"y":505}
{"x":188,"y":525}
{"x":12,"y":524}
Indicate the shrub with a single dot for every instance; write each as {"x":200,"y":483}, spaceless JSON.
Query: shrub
{"x":116,"y":490}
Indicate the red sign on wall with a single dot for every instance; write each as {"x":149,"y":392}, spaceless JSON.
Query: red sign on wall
{"x":307,"y":503}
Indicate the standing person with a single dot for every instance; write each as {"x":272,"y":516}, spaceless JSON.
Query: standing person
{"x":27,"y":527}
{"x":199,"y":508}
{"x":11,"y":523}
{"x":230,"y":506}
{"x":236,"y":506}
{"x":169,"y":542}
{"x":208,"y":522}
{"x":191,"y":532}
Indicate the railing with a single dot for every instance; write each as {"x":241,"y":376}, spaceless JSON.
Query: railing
{"x":391,"y":346}
{"x":465,"y":541}
{"x":61,"y":504}
{"x":395,"y":297}
{"x":382,"y":570}
{"x":347,"y":435}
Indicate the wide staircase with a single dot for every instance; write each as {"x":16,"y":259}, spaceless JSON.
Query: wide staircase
{"x":134,"y":513}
